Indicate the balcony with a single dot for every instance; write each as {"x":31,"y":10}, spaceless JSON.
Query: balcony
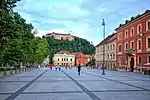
{"x":130,"y":52}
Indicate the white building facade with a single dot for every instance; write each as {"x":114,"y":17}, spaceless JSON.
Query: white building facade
{"x":64,"y":59}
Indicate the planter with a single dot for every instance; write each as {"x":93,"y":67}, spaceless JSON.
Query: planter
{"x":6,"y":73}
{"x":2,"y":73}
{"x":16,"y":71}
{"x":23,"y":69}
{"x":12,"y":72}
{"x":20,"y":70}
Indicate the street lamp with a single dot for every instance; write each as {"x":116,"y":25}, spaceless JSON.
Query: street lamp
{"x":103,"y":68}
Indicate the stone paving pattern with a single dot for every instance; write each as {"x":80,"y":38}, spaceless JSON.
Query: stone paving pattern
{"x":46,"y":84}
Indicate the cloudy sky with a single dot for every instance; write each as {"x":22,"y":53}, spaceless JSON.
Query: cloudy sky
{"x":82,"y":18}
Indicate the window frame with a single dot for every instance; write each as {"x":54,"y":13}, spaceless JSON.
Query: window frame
{"x":139,"y":46}
{"x":147,"y":28}
{"x":120,"y":36}
{"x":131,"y":45}
{"x":120,"y":49}
{"x":126,"y":34}
{"x":126,"y":46}
{"x":139,"y":31}
{"x":132,"y":33}
{"x":139,"y":60}
{"x":148,"y":42}
{"x":113,"y":46}
{"x":148,"y":59}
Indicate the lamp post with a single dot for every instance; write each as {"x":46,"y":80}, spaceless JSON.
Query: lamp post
{"x":103,"y":68}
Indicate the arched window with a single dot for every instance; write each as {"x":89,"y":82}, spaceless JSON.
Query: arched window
{"x":132,"y":31}
{"x":126,"y":34}
{"x":148,"y":25}
{"x":139,"y":29}
{"x":120,"y":36}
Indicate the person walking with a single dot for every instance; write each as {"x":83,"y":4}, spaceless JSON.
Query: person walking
{"x":50,"y":66}
{"x":56,"y":67}
{"x":79,"y":69}
{"x":59,"y":67}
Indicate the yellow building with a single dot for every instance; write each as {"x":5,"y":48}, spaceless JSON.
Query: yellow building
{"x":109,"y":54}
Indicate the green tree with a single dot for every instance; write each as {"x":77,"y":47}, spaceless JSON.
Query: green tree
{"x":91,"y":62}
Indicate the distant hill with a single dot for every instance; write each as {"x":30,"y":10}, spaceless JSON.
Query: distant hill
{"x":76,"y":45}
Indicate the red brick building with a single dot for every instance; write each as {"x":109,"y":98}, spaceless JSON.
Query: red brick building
{"x":81,"y":58}
{"x":133,"y":43}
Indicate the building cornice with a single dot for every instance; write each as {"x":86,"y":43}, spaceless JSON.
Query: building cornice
{"x":134,"y":19}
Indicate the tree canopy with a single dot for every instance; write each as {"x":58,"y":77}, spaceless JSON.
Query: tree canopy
{"x":17,"y":40}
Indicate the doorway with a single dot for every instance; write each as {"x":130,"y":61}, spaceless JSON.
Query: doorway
{"x":132,"y":64}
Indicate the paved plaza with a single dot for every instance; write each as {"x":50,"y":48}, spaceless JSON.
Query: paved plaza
{"x":46,"y":84}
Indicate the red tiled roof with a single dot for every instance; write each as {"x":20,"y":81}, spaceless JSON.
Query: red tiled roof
{"x":112,"y":38}
{"x":106,"y":40}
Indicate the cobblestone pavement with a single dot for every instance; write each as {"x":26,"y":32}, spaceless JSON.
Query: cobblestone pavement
{"x":46,"y":84}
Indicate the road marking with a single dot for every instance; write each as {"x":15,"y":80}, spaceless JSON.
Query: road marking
{"x":17,"y":93}
{"x":53,"y":92}
{"x":117,"y":81}
{"x":89,"y":93}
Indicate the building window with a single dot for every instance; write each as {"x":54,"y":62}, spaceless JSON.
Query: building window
{"x":120,"y":48}
{"x":58,"y":59}
{"x":113,"y":56}
{"x":148,"y":42}
{"x":148,"y":25}
{"x":139,"y":28}
{"x":140,"y":60}
{"x":139,"y":44}
{"x":70,"y":59}
{"x":120,"y":36}
{"x":108,"y":56}
{"x":132,"y":31}
{"x":148,"y":59}
{"x":126,"y":34}
{"x":61,"y":38}
{"x":108,"y":47}
{"x":52,"y":36}
{"x":62,"y":59}
{"x":113,"y":47}
{"x":126,"y":46}
{"x":132,"y":45}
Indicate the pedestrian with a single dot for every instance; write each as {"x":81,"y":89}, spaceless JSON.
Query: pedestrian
{"x":50,"y":66}
{"x":79,"y":69}
{"x":59,"y":67}
{"x":56,"y":67}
